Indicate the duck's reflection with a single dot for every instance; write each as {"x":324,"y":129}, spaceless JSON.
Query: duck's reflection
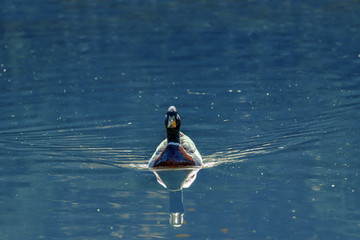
{"x":175,"y":180}
{"x":176,"y":208}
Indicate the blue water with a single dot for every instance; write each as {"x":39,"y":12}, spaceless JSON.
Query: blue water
{"x":268,"y":91}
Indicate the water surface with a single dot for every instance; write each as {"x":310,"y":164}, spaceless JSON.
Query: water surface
{"x":268,"y":91}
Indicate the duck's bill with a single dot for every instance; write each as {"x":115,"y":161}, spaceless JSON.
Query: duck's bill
{"x":171,"y":122}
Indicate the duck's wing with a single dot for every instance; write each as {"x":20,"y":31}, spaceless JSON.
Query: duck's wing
{"x":158,"y":152}
{"x":189,"y":146}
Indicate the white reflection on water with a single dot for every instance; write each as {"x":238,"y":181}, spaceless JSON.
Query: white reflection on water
{"x":175,"y":179}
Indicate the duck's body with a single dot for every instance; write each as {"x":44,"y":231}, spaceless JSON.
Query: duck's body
{"x":177,"y":150}
{"x":176,"y":155}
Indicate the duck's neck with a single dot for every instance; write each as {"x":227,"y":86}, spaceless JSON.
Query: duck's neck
{"x":173,"y":135}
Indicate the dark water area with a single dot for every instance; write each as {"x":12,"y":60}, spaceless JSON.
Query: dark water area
{"x":268,"y":91}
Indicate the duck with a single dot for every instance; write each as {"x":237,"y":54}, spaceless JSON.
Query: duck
{"x":177,"y":150}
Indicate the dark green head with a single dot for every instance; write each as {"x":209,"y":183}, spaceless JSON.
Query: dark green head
{"x":172,"y":118}
{"x":172,"y":124}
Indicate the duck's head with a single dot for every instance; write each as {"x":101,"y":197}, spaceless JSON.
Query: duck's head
{"x":172,"y":124}
{"x":172,"y":119}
